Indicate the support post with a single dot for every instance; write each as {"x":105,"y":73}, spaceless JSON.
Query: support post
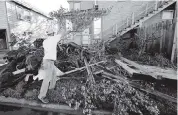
{"x":174,"y":44}
{"x":133,"y":18}
{"x":113,"y":30}
{"x":175,"y":36}
{"x":161,"y":39}
{"x":127,"y":22}
{"x":116,"y":29}
{"x":156,"y":5}
{"x":146,"y":10}
{"x":101,"y":28}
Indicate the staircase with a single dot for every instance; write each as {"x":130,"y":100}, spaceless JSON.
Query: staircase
{"x":136,"y":19}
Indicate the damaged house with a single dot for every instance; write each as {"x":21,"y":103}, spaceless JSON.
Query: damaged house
{"x":13,"y":15}
{"x":131,"y":19}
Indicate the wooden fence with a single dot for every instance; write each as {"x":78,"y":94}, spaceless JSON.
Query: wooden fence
{"x":157,"y":38}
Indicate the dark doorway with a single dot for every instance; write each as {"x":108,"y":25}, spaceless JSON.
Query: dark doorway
{"x":3,"y":44}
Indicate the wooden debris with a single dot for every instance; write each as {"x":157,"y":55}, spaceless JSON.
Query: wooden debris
{"x":90,"y":74}
{"x":79,"y":69}
{"x":156,"y":72}
{"x":135,"y":85}
{"x":130,"y":70}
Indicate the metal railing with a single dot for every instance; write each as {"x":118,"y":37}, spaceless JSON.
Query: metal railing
{"x":150,"y":7}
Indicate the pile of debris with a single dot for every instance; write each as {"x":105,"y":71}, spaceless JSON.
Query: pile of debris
{"x":89,"y":83}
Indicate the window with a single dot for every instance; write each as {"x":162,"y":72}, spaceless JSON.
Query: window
{"x":86,"y":37}
{"x":77,"y":6}
{"x":97,"y":28}
{"x":167,"y":14}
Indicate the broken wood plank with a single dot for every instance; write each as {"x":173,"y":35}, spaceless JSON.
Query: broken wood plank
{"x":90,"y":74}
{"x":137,"y":86}
{"x":101,"y":71}
{"x":116,"y":77}
{"x":59,"y":108}
{"x":77,"y":69}
{"x":126,"y":67}
{"x":154,"y":71}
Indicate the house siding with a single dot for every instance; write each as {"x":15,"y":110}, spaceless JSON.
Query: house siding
{"x":3,"y":16}
{"x":9,"y":20}
{"x":158,"y":17}
{"x":155,"y":19}
{"x":119,"y":12}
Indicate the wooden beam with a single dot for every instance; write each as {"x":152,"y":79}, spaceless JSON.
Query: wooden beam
{"x":116,"y":29}
{"x":154,"y":71}
{"x":133,"y":18}
{"x":126,"y":67}
{"x":69,"y":72}
{"x":146,"y":11}
{"x":127,"y":22}
{"x":156,"y":5}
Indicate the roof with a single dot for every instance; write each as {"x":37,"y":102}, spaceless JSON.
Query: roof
{"x":30,"y":7}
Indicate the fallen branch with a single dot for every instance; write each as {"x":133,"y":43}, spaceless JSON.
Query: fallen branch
{"x":79,"y":69}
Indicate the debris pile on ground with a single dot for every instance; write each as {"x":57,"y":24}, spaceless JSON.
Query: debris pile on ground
{"x":77,"y":89}
{"x":129,"y":48}
{"x":146,"y":59}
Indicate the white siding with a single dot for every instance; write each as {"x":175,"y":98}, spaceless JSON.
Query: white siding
{"x":3,"y":17}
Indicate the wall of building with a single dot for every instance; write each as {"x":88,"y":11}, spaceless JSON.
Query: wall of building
{"x":158,"y":17}
{"x":83,"y":5}
{"x":120,"y":11}
{"x":77,"y":38}
{"x":3,"y":17}
{"x":4,"y":22}
{"x":22,"y":20}
{"x":87,"y":5}
{"x":155,"y":19}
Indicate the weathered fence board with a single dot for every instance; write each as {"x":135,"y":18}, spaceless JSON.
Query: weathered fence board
{"x":158,"y":38}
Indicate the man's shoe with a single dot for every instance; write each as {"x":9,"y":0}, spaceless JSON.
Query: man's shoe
{"x":44,"y":100}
